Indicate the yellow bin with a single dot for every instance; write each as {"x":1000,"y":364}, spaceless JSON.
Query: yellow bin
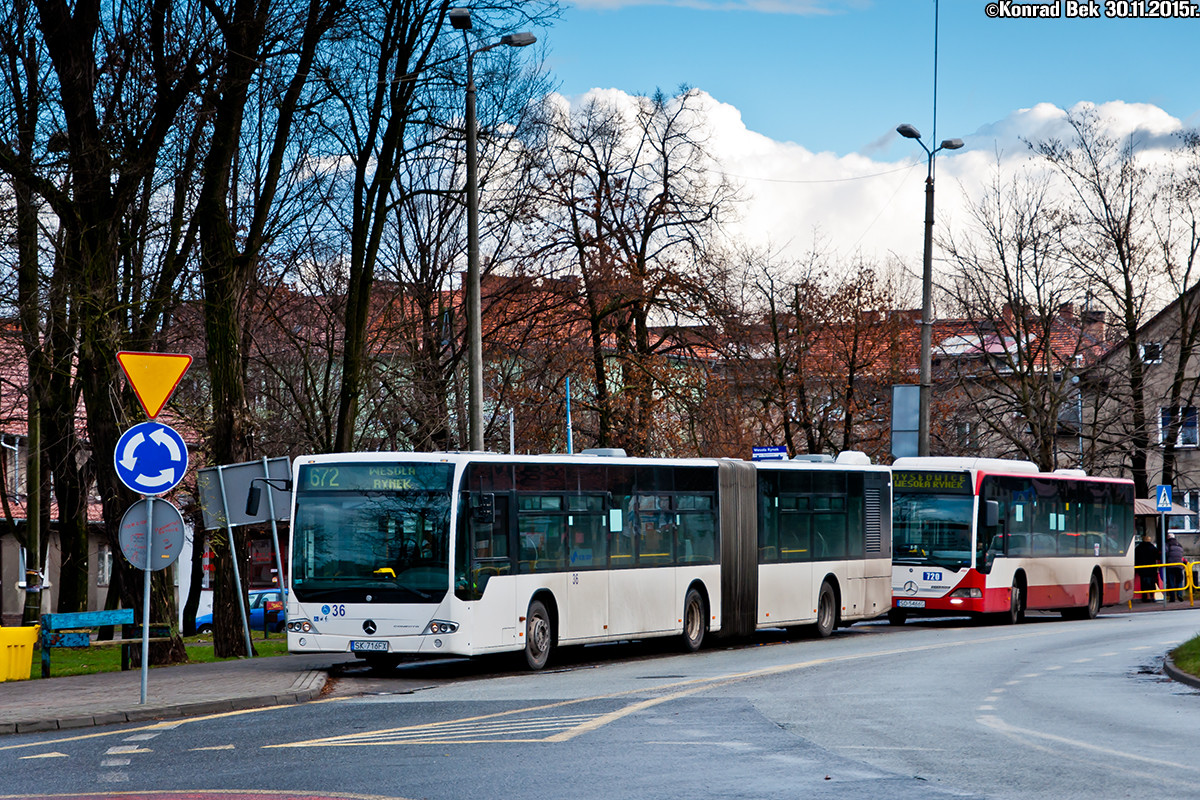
{"x":16,"y":652}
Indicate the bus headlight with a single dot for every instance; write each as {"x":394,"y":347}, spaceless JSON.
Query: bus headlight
{"x":439,"y":626}
{"x":300,"y":626}
{"x":972,"y":593}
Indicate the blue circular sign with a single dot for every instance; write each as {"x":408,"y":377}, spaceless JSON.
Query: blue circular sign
{"x":151,"y":458}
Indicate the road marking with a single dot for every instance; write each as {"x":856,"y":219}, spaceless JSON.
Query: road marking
{"x":1051,"y":669}
{"x":986,"y":708}
{"x":121,"y":749}
{"x":472,"y":731}
{"x":1024,"y":735}
{"x":214,"y":747}
{"x":141,"y":737}
{"x":1081,"y":661}
{"x":113,"y":777}
{"x":47,"y":755}
{"x":673,"y":691}
{"x":116,"y":762}
{"x":876,"y":747}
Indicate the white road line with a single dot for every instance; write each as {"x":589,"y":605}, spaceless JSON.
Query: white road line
{"x":116,"y":762}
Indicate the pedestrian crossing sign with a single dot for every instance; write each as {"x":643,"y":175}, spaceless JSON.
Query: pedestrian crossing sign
{"x":1164,"y":498}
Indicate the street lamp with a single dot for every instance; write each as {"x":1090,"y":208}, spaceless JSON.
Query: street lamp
{"x":460,"y":19}
{"x":909,"y":132}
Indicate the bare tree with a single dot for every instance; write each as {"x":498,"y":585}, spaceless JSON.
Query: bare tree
{"x":1015,"y":355}
{"x":630,"y":204}
{"x":1108,"y":238}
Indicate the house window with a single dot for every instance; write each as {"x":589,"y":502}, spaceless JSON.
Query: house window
{"x":1189,"y":435}
{"x":1185,"y":522}
{"x":21,"y":570}
{"x":967,"y":435}
{"x":1152,"y":352}
{"x":104,"y":565}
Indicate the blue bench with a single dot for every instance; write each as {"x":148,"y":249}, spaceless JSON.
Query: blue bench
{"x":75,"y":630}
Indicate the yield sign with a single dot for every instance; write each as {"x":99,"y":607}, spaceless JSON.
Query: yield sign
{"x":153,"y":376}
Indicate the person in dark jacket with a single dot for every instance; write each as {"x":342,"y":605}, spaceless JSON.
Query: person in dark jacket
{"x":1174,"y":573}
{"x":1145,"y":554}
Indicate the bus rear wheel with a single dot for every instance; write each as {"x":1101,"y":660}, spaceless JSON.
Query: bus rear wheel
{"x":826,"y":611}
{"x":539,"y":636}
{"x":897,"y":616}
{"x":693,"y":621}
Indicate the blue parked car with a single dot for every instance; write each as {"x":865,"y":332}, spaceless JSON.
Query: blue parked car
{"x":256,"y":608}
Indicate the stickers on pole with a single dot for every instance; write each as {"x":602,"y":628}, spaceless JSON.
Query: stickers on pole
{"x":153,"y":376}
{"x":166,"y":541}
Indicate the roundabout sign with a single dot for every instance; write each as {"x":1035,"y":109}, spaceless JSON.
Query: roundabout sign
{"x":151,"y":458}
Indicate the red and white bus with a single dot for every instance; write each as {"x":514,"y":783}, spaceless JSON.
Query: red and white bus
{"x":996,"y":537}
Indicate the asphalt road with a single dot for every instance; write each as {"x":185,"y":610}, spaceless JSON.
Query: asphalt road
{"x":1048,"y":709}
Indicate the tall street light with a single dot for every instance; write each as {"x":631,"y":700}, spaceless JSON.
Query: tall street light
{"x":909,"y":132}
{"x":460,"y":18}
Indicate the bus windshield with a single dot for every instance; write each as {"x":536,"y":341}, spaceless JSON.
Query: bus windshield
{"x":934,"y":529}
{"x":355,"y":542}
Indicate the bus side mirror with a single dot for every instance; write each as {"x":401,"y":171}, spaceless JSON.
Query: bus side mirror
{"x":991,"y":513}
{"x":253,"y":498}
{"x":484,"y":511}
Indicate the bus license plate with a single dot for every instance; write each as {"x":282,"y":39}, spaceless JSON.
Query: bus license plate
{"x":359,"y":646}
{"x":910,"y":604}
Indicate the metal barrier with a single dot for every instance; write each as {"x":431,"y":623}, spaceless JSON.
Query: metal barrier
{"x":1189,"y":582}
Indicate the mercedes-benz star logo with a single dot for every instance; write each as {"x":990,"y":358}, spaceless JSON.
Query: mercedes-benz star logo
{"x":909,"y":588}
{"x":369,"y":627}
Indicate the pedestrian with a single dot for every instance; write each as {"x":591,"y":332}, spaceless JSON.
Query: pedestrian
{"x":1175,"y":566}
{"x":1144,"y":556}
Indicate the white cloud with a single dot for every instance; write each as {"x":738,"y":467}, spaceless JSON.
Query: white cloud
{"x":872,"y":203}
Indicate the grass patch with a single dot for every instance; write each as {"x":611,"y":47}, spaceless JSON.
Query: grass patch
{"x":107,"y":658}
{"x":1187,"y":656}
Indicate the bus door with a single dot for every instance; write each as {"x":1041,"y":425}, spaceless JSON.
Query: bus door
{"x":585,"y":615}
{"x":641,"y":553}
{"x":493,"y":622}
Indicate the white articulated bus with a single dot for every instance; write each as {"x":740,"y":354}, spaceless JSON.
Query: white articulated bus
{"x":433,"y":554}
{"x":991,"y":537}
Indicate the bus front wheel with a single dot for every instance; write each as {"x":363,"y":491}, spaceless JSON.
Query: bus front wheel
{"x":826,"y":611}
{"x":693,"y":621}
{"x":897,"y":616}
{"x":1095,"y":593}
{"x":1016,"y":605}
{"x":539,"y":636}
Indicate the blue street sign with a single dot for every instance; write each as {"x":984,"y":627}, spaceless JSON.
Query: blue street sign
{"x":773,"y":453}
{"x":1163,"y":493}
{"x":151,"y":458}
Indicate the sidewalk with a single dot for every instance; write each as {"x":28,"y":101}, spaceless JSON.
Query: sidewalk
{"x":107,"y":698}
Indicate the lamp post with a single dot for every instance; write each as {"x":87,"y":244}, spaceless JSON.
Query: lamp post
{"x":460,"y":19}
{"x":909,"y":132}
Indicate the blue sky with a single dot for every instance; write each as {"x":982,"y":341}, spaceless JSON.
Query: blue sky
{"x":839,"y":75}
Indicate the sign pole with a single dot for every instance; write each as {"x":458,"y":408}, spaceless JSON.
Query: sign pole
{"x":274,"y":529}
{"x":237,"y":573}
{"x":146,"y":596}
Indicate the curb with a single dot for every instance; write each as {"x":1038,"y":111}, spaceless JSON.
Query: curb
{"x":306,"y":687}
{"x":1177,"y":674}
